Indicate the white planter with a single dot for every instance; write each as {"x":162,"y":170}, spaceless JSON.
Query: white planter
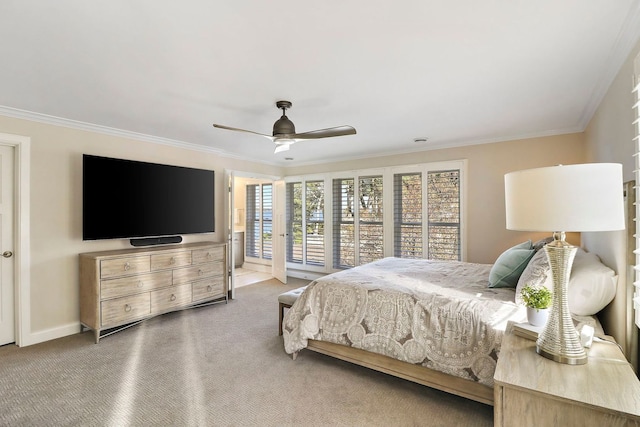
{"x":537,"y":317}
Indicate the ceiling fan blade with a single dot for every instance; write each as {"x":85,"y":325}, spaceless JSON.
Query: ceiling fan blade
{"x":243,"y":130}
{"x":325,"y":133}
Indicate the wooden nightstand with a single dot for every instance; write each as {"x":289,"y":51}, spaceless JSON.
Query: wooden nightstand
{"x":531,"y":390}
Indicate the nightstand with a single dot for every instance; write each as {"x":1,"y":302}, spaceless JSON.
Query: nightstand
{"x":531,"y":390}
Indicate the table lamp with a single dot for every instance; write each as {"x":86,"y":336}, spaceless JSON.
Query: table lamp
{"x":559,"y":199}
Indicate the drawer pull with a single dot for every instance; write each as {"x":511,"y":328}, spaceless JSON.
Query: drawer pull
{"x":140,"y":284}
{"x":200,"y":272}
{"x":209,"y":255}
{"x":209,"y":289}
{"x":173,"y":297}
{"x":172,"y":260}
{"x":127,"y":308}
{"x":127,"y":266}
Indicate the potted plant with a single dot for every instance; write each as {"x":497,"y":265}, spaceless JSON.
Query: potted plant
{"x":537,"y":299}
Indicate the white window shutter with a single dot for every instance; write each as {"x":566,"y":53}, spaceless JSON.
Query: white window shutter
{"x":636,"y":141}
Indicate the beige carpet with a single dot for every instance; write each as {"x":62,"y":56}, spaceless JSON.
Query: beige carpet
{"x":222,"y":365}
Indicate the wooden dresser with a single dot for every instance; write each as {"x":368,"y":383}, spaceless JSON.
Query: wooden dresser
{"x":122,"y":287}
{"x":531,"y":390}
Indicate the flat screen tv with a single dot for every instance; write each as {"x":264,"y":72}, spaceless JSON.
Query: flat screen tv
{"x":133,"y":199}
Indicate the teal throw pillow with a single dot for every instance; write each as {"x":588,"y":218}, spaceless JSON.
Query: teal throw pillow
{"x":509,"y":266}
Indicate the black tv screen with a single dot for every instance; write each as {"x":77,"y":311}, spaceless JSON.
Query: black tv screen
{"x":132,"y":199}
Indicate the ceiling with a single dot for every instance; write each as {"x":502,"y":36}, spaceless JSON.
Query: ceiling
{"x":457,"y":73}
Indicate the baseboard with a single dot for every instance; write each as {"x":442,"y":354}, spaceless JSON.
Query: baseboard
{"x":307,"y":275}
{"x":50,"y":334}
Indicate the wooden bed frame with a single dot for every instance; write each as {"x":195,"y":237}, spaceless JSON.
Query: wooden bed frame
{"x":418,"y":374}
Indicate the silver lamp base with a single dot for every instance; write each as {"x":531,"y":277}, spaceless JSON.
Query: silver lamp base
{"x":559,"y":340}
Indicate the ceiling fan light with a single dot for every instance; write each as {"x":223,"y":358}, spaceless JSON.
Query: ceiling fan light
{"x":283,"y":126}
{"x":281,"y":147}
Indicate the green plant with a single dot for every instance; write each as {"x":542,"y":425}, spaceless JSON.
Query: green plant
{"x":537,"y":297}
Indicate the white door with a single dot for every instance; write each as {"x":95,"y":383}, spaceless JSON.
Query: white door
{"x":7,"y":315}
{"x":228,"y":226}
{"x":279,"y":265}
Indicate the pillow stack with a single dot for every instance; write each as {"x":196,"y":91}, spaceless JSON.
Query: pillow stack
{"x":592,"y":285}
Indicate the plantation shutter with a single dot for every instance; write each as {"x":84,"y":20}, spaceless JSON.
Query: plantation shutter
{"x":252,"y":226}
{"x":407,"y":215}
{"x":370,"y":230}
{"x":636,"y":139}
{"x":443,"y":215}
{"x":343,"y":223}
{"x":267,"y":221}
{"x":294,"y":222}
{"x":314,"y":222}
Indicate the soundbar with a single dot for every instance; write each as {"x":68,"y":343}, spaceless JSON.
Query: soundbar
{"x":150,"y":241}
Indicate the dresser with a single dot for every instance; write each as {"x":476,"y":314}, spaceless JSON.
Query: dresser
{"x":531,"y":390}
{"x":122,"y":287}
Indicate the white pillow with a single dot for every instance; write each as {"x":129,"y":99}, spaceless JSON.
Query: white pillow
{"x":592,"y":285}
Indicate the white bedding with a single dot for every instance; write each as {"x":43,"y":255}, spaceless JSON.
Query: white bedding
{"x":439,"y":314}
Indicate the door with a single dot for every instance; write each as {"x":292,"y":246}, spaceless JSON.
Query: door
{"x":7,"y":315}
{"x":228,"y":227}
{"x":279,"y":265}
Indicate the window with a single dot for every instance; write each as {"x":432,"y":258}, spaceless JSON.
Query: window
{"x":253,"y":221}
{"x":636,"y":123}
{"x":370,"y":226}
{"x":361,"y":216}
{"x":259,"y":222}
{"x":407,"y":215}
{"x":343,"y":224}
{"x":443,"y":213}
{"x":442,"y":210}
{"x":305,"y":222}
{"x":314,"y":216}
{"x":267,"y":221}
{"x":294,"y":222}
{"x":358,"y":230}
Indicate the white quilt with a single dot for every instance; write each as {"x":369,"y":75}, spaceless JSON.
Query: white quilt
{"x":438,"y":314}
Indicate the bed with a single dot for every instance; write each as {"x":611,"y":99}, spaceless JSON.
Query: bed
{"x":437,"y":323}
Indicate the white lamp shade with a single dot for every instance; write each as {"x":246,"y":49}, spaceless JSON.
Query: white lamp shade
{"x":584,"y":197}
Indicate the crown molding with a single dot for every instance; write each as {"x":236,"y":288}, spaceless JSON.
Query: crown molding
{"x":17,"y":113}
{"x":105,"y":130}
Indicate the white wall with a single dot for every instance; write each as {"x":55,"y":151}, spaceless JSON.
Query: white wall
{"x":608,"y":138}
{"x":56,"y":212}
{"x":486,"y":235}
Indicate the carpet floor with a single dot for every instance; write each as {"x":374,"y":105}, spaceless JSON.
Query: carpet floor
{"x":221,"y":365}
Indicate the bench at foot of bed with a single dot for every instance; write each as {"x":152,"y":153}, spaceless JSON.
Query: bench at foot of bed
{"x":286,"y":300}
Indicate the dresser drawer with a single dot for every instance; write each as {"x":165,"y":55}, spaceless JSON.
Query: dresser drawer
{"x":170,"y":260}
{"x":201,"y":256}
{"x":112,"y":288}
{"x":124,"y":266}
{"x":170,"y":298}
{"x":126,"y":309}
{"x":189,"y":274}
{"x":208,"y":289}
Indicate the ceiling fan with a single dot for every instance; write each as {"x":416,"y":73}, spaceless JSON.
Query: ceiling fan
{"x":284,"y":132}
